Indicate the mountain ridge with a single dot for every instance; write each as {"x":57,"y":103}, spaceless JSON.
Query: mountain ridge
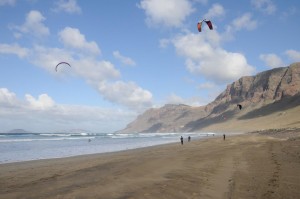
{"x":270,"y":92}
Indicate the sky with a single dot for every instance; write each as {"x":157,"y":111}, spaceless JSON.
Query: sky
{"x":129,"y":56}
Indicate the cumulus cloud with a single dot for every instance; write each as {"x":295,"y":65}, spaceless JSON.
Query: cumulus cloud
{"x":266,"y":6}
{"x":210,"y":60}
{"x":41,"y":103}
{"x":7,"y":98}
{"x":48,"y":58}
{"x":71,"y":37}
{"x":126,"y":93}
{"x":7,"y":2}
{"x":272,"y":60}
{"x":169,"y":13}
{"x":34,"y":24}
{"x":42,"y":114}
{"x":13,"y":49}
{"x":293,"y":55}
{"x":88,"y":68}
{"x":96,"y":71}
{"x":244,"y":22}
{"x":86,"y":65}
{"x":216,"y":10}
{"x":69,"y":6}
{"x":123,"y":59}
{"x":99,"y":73}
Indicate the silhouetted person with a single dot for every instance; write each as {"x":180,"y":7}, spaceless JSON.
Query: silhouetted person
{"x":189,"y":138}
{"x":223,"y":136}
{"x":181,"y":139}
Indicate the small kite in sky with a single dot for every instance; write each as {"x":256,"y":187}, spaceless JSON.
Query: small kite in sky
{"x":60,"y":64}
{"x":208,"y":22}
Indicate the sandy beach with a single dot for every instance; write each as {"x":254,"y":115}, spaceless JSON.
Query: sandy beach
{"x":254,"y":165}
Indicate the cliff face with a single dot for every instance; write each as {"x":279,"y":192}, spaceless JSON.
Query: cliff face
{"x":279,"y":86}
{"x":263,"y":88}
{"x":169,"y":118}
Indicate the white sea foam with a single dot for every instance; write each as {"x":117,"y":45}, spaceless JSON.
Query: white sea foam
{"x":44,"y":139}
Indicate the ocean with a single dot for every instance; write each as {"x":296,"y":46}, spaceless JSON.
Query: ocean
{"x":18,"y":147}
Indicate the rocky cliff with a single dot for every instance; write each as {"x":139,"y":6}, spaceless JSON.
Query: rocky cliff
{"x":270,"y":92}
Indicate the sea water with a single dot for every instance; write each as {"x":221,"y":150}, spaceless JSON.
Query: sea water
{"x":26,"y":146}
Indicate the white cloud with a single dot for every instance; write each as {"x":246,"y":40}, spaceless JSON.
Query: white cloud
{"x":48,"y":58}
{"x":42,"y":103}
{"x":216,"y":10}
{"x":7,"y":2}
{"x":34,"y":24}
{"x":125,"y":60}
{"x":272,"y":60}
{"x":95,"y":71}
{"x":266,"y":6}
{"x":208,"y":59}
{"x":13,"y":49}
{"x":170,"y":13}
{"x":71,"y":37}
{"x":206,"y":85}
{"x":69,"y":6}
{"x":44,"y":115}
{"x":244,"y":22}
{"x":86,"y":67}
{"x":7,"y":98}
{"x":240,"y":23}
{"x":126,"y":93}
{"x":293,"y":54}
{"x":84,"y":64}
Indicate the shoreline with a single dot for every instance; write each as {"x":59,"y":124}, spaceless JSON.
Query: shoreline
{"x":204,"y":168}
{"x":112,"y":152}
{"x":109,"y":151}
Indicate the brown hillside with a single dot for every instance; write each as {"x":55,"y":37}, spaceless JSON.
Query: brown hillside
{"x":269,"y":99}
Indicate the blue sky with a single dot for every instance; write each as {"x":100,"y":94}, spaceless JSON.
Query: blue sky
{"x":128,"y":56}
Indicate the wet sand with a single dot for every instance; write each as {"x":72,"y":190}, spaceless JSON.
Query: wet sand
{"x":253,"y":165}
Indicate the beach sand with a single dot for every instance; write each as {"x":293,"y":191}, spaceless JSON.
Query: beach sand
{"x":252,"y":165}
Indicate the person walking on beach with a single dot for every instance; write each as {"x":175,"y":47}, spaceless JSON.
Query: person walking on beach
{"x":181,"y":139}
{"x":223,"y":136}
{"x":189,"y":138}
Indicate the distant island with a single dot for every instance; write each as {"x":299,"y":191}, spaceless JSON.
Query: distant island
{"x":21,"y":131}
